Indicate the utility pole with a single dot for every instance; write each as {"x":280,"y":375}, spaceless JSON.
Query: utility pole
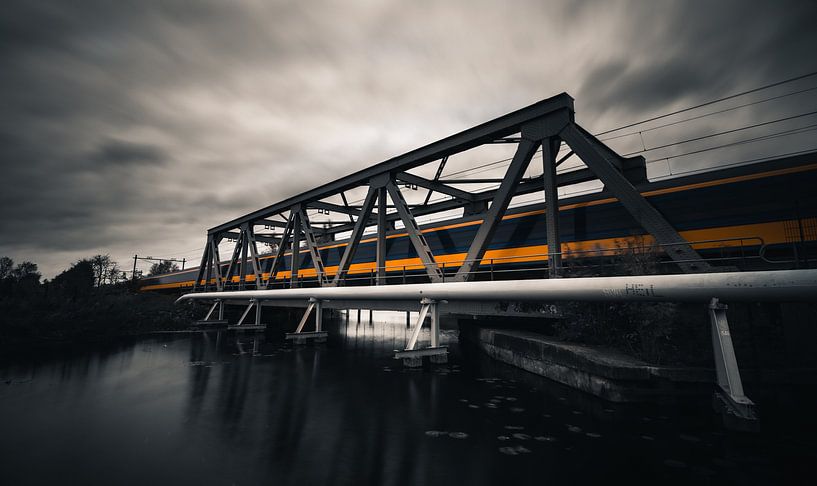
{"x":183,"y":261}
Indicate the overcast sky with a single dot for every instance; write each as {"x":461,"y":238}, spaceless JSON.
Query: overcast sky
{"x":133,"y":126}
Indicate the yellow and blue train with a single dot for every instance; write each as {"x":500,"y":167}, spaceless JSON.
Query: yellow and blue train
{"x":764,"y":215}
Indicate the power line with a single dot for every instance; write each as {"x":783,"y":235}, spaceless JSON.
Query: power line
{"x":678,"y":122}
{"x":784,"y":133}
{"x":712,"y":102}
{"x":734,"y":130}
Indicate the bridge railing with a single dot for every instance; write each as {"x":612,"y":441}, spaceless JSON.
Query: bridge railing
{"x":726,"y":253}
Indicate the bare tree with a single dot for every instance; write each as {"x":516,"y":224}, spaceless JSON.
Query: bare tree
{"x":106,"y":271}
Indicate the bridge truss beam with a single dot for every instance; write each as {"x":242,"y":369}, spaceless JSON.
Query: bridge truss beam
{"x":546,"y":125}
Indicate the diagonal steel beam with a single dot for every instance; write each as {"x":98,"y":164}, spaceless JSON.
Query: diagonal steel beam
{"x":231,"y":269}
{"x":437,"y":175}
{"x":357,"y":233}
{"x":216,"y":259}
{"x":503,"y":126}
{"x":526,"y":186}
{"x":642,"y":211}
{"x":256,"y":263}
{"x":415,"y":235}
{"x":204,"y":260}
{"x":312,"y":244}
{"x":279,"y":255}
{"x":507,"y":189}
{"x":435,"y":186}
{"x":346,"y":204}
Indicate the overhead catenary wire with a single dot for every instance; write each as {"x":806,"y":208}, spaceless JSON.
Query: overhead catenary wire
{"x":712,"y":113}
{"x":725,"y":132}
{"x":712,"y":102}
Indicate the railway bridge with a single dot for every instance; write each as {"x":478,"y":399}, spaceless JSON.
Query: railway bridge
{"x":421,"y":240}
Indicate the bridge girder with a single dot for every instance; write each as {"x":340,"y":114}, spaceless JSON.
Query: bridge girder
{"x":546,"y":124}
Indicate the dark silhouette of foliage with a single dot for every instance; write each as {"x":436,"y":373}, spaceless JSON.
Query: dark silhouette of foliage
{"x":77,"y":281}
{"x":162,"y":267}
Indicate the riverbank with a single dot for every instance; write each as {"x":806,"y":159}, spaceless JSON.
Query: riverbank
{"x":101,"y":316}
{"x":608,"y":373}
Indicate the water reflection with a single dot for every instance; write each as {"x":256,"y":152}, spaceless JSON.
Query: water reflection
{"x":222,"y":408}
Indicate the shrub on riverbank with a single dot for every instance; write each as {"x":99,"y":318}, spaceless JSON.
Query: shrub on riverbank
{"x":73,"y":306}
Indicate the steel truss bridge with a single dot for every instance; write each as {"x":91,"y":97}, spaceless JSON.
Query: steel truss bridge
{"x":546,"y":124}
{"x":253,"y":281}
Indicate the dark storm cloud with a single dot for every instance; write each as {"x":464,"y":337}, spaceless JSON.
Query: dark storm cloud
{"x":133,"y":126}
{"x":693,"y":50}
{"x":126,"y":153}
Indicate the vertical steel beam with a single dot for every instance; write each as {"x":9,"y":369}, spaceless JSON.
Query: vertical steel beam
{"x":242,"y":265}
{"x":521,"y":159}
{"x":642,"y":211}
{"x":318,"y":316}
{"x":414,"y":233}
{"x":295,"y":255}
{"x":382,"y":227}
{"x":435,"y":325}
{"x":312,"y":244}
{"x":550,"y":147}
{"x":354,"y":239}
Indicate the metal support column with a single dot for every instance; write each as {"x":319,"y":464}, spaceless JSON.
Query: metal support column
{"x":319,"y":335}
{"x":437,"y":354}
{"x":730,"y":387}
{"x":242,"y":264}
{"x":382,"y":227}
{"x":295,"y":260}
{"x":240,"y":326}
{"x":550,"y":147}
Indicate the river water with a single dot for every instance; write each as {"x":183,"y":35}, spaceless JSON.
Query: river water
{"x":246,"y":410}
